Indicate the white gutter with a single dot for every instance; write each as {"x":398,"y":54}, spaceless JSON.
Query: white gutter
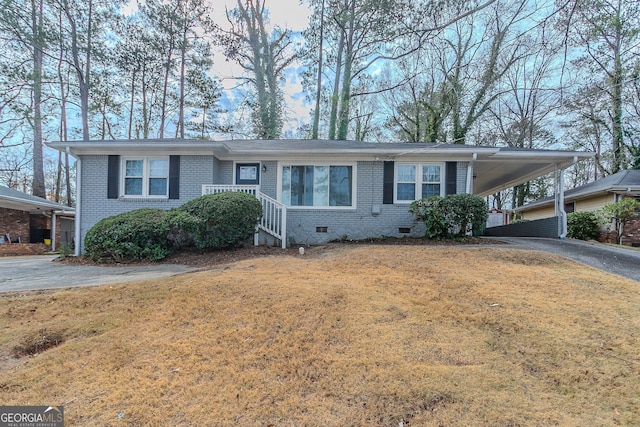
{"x":470,"y":173}
{"x":78,"y":215}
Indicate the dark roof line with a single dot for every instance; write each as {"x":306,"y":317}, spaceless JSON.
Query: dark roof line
{"x":627,"y":179}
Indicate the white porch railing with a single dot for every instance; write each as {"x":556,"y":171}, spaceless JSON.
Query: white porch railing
{"x":274,"y":213}
{"x":215,"y":189}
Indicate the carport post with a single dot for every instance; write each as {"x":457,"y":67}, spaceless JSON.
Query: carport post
{"x":560,"y":197}
{"x":563,"y":213}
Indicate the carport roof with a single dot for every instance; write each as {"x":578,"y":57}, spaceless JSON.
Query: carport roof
{"x":495,"y":168}
{"x":14,"y":199}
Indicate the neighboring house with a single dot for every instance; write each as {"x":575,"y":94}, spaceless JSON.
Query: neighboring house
{"x":29,"y":219}
{"x":312,"y":191}
{"x":590,"y":198}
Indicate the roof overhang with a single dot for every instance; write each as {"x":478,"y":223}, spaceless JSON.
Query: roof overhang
{"x":577,"y":196}
{"x":506,"y":169}
{"x":494,"y":168}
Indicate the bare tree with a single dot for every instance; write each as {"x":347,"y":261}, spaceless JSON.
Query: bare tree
{"x":23,"y":28}
{"x":606,"y":32}
{"x":480,"y":61}
{"x":265,"y":56}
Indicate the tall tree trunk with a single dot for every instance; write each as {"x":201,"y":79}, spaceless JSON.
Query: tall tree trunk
{"x":183,"y":58}
{"x":165,"y":88}
{"x":616,"y":99}
{"x":345,"y":97}
{"x":131,"y":102}
{"x":82,"y":73}
{"x":335,"y":96}
{"x":37,"y":186}
{"x":84,"y":89}
{"x":63,"y":123}
{"x":316,"y":111}
{"x":145,"y":114}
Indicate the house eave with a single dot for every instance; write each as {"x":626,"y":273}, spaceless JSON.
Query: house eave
{"x":494,"y":168}
{"x":632,"y":190}
{"x":30,"y":206}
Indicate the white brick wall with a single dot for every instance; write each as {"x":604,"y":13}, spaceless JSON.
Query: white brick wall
{"x":194,"y":171}
{"x":353,"y":224}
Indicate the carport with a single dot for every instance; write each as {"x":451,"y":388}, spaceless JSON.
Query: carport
{"x":25,"y":218}
{"x":510,"y":167}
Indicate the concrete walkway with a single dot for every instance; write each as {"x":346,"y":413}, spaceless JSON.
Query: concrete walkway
{"x":612,"y":259}
{"x":23,"y":273}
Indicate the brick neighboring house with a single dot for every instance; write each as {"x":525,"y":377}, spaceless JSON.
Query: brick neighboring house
{"x":593,"y":197}
{"x":27,"y":219}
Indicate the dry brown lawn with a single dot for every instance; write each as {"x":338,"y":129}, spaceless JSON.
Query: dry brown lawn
{"x":342,"y":336}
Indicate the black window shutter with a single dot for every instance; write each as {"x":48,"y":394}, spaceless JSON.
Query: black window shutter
{"x":451,"y":178}
{"x":387,"y":189}
{"x":174,"y":177}
{"x":113,"y":177}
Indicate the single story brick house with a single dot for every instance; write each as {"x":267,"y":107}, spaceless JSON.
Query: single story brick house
{"x":25,"y":219}
{"x":312,"y":191}
{"x":593,"y":197}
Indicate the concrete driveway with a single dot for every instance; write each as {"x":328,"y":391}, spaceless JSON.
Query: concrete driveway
{"x":25,"y":273}
{"x":616,"y":260}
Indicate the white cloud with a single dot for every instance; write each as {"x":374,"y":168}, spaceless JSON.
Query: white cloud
{"x":284,"y":13}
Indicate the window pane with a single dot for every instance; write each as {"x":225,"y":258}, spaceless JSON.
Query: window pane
{"x":297,"y":185}
{"x":286,"y":185}
{"x":134,"y":168}
{"x":431,"y":173}
{"x":248,"y":173}
{"x":430,"y":190}
{"x":133,"y":186}
{"x":158,"y":186}
{"x":340,"y":186}
{"x":158,"y":168}
{"x":406,"y":173}
{"x":406,"y":191}
{"x":308,"y":186}
{"x":321,"y":186}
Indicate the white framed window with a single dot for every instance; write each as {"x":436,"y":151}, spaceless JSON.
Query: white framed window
{"x":318,"y":185}
{"x":145,"y":176}
{"x":414,"y":181}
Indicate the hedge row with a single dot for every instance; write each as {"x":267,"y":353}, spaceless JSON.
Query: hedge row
{"x":223,"y":220}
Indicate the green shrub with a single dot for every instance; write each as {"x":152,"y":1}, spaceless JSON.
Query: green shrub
{"x":224,"y":220}
{"x":469,"y":213}
{"x":136,"y":235}
{"x":432,"y":213}
{"x":65,"y":250}
{"x":451,"y":216}
{"x":582,"y":225}
{"x":181,"y":227}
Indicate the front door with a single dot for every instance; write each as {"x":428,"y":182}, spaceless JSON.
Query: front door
{"x":247,"y":173}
